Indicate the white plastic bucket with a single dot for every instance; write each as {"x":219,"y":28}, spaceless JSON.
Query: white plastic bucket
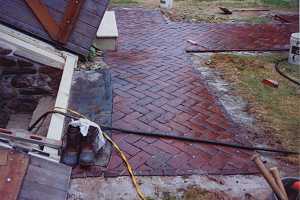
{"x":167,"y":4}
{"x":294,"y":56}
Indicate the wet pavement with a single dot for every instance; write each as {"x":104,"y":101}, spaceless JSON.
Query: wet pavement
{"x":156,"y":88}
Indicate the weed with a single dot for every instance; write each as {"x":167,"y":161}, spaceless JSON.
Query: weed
{"x":195,"y":193}
{"x":168,"y":196}
{"x":149,"y":198}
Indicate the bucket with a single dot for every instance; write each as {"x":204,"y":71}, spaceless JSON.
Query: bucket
{"x":167,"y":4}
{"x":294,"y":55}
{"x":291,"y":192}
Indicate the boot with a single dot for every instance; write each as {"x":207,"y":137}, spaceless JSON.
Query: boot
{"x":71,"y":152}
{"x":87,"y":154}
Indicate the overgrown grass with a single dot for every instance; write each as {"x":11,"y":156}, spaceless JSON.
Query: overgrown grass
{"x":276,"y":108}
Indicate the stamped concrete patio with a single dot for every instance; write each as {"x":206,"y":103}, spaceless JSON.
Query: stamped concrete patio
{"x":156,"y":88}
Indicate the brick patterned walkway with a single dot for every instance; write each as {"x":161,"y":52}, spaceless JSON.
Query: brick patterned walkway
{"x":156,"y":88}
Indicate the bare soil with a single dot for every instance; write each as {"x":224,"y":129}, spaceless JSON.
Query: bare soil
{"x":247,"y":11}
{"x":274,"y":108}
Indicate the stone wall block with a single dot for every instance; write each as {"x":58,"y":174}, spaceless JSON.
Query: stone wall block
{"x":7,"y":61}
{"x":20,"y":81}
{"x":4,"y":117}
{"x":23,"y":105}
{"x":19,"y":70}
{"x":36,"y":91}
{"x":6,"y":90}
{"x":31,"y":81}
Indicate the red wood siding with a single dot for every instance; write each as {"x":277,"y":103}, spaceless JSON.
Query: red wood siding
{"x":18,"y":15}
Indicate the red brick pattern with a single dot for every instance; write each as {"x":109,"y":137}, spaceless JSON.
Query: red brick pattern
{"x":157,"y":89}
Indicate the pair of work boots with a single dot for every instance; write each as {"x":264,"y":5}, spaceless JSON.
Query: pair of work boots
{"x":79,"y":148}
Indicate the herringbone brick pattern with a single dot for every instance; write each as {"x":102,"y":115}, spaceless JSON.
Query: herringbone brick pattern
{"x":156,"y":89}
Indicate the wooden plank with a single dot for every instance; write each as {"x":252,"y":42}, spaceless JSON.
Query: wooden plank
{"x":45,"y":104}
{"x":69,"y":62}
{"x":52,"y":166}
{"x":90,"y":6}
{"x":56,"y":126}
{"x":17,"y":14}
{"x":81,"y":28}
{"x":3,"y":158}
{"x":12,"y":174}
{"x":31,"y":48}
{"x":42,"y":14}
{"x":79,"y":49}
{"x":85,"y":17}
{"x":44,"y":176}
{"x":46,"y":180}
{"x":25,"y":20}
{"x":60,"y":30}
{"x":69,"y":20}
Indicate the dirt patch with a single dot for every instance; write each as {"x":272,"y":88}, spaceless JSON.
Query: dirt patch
{"x":247,"y":11}
{"x":143,"y":3}
{"x":242,"y":11}
{"x":195,"y":193}
{"x":171,"y":188}
{"x":274,"y":108}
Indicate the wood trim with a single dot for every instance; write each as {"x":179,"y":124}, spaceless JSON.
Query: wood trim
{"x":31,"y":48}
{"x":44,"y":17}
{"x":70,"y":18}
{"x":58,"y":32}
{"x":41,"y":52}
{"x":56,"y":126}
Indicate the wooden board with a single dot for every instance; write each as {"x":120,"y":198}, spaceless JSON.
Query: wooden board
{"x":56,"y":126}
{"x":31,"y":48}
{"x":12,"y":171}
{"x":45,"y":180}
{"x":17,"y":14}
{"x":32,"y":178}
{"x":43,"y":53}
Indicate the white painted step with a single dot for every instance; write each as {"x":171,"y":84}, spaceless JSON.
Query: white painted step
{"x":107,"y":34}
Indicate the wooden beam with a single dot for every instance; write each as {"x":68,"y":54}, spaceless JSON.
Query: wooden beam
{"x":61,"y":31}
{"x":42,"y":14}
{"x":70,"y":18}
{"x":41,"y":52}
{"x":12,"y":174}
{"x":31,"y":48}
{"x":56,"y":126}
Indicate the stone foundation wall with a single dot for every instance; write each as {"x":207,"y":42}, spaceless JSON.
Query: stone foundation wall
{"x":22,"y":83}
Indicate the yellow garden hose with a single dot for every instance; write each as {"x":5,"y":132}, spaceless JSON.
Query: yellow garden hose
{"x":120,"y":152}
